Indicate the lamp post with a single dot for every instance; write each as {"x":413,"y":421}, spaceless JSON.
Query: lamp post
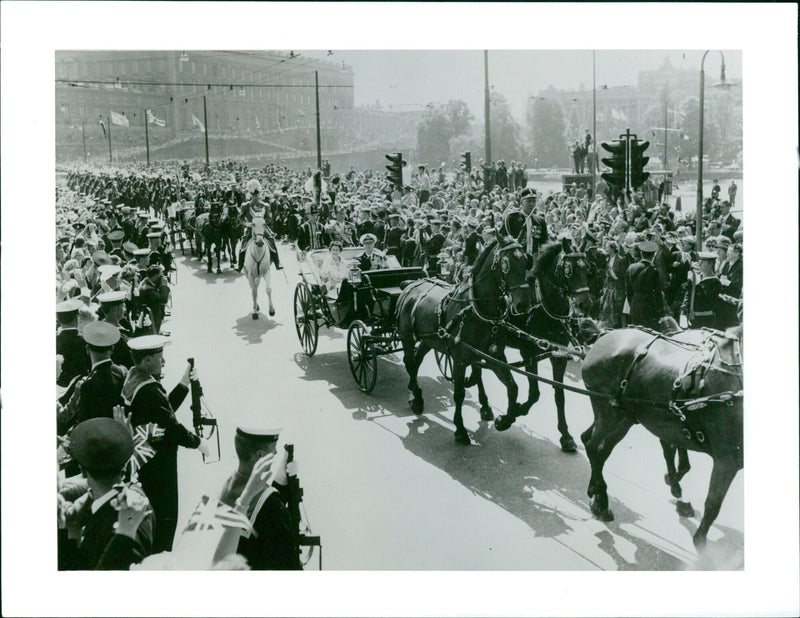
{"x":594,"y":127}
{"x":699,"y":211}
{"x":486,"y":109}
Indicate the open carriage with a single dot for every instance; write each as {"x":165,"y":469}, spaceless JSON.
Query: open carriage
{"x":365,"y":307}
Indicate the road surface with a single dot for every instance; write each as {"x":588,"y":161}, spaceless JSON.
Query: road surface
{"x":388,"y":490}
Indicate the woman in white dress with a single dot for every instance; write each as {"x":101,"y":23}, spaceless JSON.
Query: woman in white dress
{"x":334,"y":270}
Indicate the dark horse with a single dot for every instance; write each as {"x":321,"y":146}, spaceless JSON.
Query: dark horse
{"x":470,"y":313}
{"x":232,"y":230}
{"x":209,"y":226}
{"x":560,"y":292}
{"x":686,"y":390}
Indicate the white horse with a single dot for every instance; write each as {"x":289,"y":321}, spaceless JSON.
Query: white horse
{"x":257,"y":264}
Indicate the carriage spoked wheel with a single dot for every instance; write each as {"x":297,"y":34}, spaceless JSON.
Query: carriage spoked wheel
{"x":305,"y":319}
{"x":445,"y":362}
{"x":362,"y":356}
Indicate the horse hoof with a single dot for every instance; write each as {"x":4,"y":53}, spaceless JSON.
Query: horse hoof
{"x":501,"y":423}
{"x":602,"y":513}
{"x":462,"y":437}
{"x":699,"y":541}
{"x":255,"y":316}
{"x":417,"y":405}
{"x":568,"y":444}
{"x":208,"y":270}
{"x":487,"y":414}
{"x":272,"y":312}
{"x":219,"y":271}
{"x":684,"y":509}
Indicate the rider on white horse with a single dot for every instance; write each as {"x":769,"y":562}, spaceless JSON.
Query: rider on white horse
{"x":250,"y":210}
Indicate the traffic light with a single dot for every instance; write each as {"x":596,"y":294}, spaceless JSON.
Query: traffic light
{"x":638,"y":163}
{"x":466,"y":162}
{"x":617,"y":163}
{"x":395,"y":167}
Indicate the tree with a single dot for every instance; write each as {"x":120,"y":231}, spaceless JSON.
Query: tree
{"x":689,"y":125}
{"x":546,"y":128}
{"x":505,"y":131}
{"x":460,"y":117}
{"x":433,"y":135}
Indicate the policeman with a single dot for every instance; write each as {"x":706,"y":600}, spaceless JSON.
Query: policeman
{"x":96,"y":394}
{"x":258,"y":489}
{"x":69,"y":343}
{"x":643,"y":287}
{"x":147,"y":402}
{"x":112,"y":306}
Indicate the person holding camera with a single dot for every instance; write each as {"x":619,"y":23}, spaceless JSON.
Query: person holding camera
{"x":259,"y":489}
{"x":147,"y":401}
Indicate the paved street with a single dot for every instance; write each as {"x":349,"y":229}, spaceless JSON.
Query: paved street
{"x":388,"y":490}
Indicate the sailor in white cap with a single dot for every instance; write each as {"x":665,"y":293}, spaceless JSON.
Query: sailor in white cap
{"x":148,"y":402}
{"x":258,"y":489}
{"x":112,"y":308}
{"x":69,"y":343}
{"x":96,"y":395}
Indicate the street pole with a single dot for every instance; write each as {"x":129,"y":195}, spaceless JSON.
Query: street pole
{"x":205,"y":126}
{"x":147,"y":138}
{"x":666,"y":127}
{"x":109,"y":137}
{"x":486,"y":107}
{"x":319,"y":139}
{"x":83,"y":132}
{"x":594,"y":125}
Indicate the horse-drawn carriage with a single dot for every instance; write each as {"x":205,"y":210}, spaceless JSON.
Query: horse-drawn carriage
{"x":365,"y":307}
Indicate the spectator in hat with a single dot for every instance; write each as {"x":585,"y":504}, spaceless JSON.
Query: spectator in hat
{"x":69,"y":342}
{"x":147,"y":402}
{"x":110,"y":526}
{"x":96,"y":394}
{"x":722,"y":244}
{"x":472,"y":241}
{"x":732,"y":279}
{"x":112,"y":307}
{"x":613,"y":299}
{"x":643,"y":289}
{"x":728,"y":223}
{"x":259,"y":489}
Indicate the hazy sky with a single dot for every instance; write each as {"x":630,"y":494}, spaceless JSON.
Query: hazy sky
{"x":413,"y":78}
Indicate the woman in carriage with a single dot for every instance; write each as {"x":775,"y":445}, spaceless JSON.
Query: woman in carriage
{"x":334,"y":270}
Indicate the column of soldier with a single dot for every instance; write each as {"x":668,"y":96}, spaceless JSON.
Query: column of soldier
{"x":641,"y":257}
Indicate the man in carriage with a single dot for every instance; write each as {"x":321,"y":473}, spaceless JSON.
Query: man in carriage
{"x":251,"y":210}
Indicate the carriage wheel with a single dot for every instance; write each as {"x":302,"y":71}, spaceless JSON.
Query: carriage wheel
{"x":305,"y":319}
{"x":362,"y":357}
{"x":445,"y":362}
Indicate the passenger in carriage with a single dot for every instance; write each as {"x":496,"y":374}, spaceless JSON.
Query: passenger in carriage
{"x":369,"y":260}
{"x":334,"y":270}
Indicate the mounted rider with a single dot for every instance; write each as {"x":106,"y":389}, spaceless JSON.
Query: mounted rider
{"x":257,"y":208}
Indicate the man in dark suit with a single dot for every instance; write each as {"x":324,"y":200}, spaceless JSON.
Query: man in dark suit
{"x":434,"y":246}
{"x":69,"y":343}
{"x":311,"y":233}
{"x":643,"y":288}
{"x":472,"y":241}
{"x":96,"y":394}
{"x":109,"y":528}
{"x":264,"y":501}
{"x":703,"y":305}
{"x":148,"y":402}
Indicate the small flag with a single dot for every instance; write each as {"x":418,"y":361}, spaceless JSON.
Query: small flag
{"x":152,"y":119}
{"x":119,"y":119}
{"x":211,"y":513}
{"x":196,"y":123}
{"x":258,"y":124}
{"x":103,"y":125}
{"x":143,"y":438}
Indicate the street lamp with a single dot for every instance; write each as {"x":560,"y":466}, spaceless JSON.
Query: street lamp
{"x":699,"y":211}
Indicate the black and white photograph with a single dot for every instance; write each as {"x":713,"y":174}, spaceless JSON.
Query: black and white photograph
{"x":456,"y":309}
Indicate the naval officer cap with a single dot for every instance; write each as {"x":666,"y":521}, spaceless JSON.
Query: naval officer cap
{"x":368,"y":238}
{"x":109,"y":299}
{"x":101,"y":334}
{"x":129,"y":247}
{"x":101,"y":445}
{"x":116,"y":235}
{"x":259,"y":433}
{"x":148,"y":343}
{"x":647,"y":246}
{"x":141,"y":252}
{"x":101,"y":257}
{"x":108,"y":270}
{"x":707,"y":256}
{"x":69,"y":306}
{"x":154,"y":235}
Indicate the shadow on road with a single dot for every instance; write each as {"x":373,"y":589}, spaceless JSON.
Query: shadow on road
{"x":199,"y":269}
{"x":252,"y":330}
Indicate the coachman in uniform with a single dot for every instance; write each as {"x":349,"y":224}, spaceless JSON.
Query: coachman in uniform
{"x":148,"y":402}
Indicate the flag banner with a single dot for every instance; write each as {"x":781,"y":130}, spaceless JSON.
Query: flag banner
{"x":119,"y":119}
{"x":210,"y":513}
{"x":153,"y":119}
{"x":144,"y":436}
{"x":196,"y":123}
{"x":103,"y":125}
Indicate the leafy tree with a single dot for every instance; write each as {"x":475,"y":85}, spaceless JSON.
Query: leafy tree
{"x":505,"y":132}
{"x":690,"y":129}
{"x":433,"y":135}
{"x":545,"y":119}
{"x":460,"y":117}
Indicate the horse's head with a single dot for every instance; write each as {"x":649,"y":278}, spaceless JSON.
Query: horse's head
{"x":259,"y":229}
{"x":571,"y":276}
{"x":511,"y":264}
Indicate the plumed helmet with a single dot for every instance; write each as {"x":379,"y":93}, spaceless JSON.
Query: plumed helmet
{"x":253,"y":185}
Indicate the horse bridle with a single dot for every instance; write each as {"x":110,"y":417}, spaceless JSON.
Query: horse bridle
{"x":563,"y":272}
{"x":499,"y":262}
